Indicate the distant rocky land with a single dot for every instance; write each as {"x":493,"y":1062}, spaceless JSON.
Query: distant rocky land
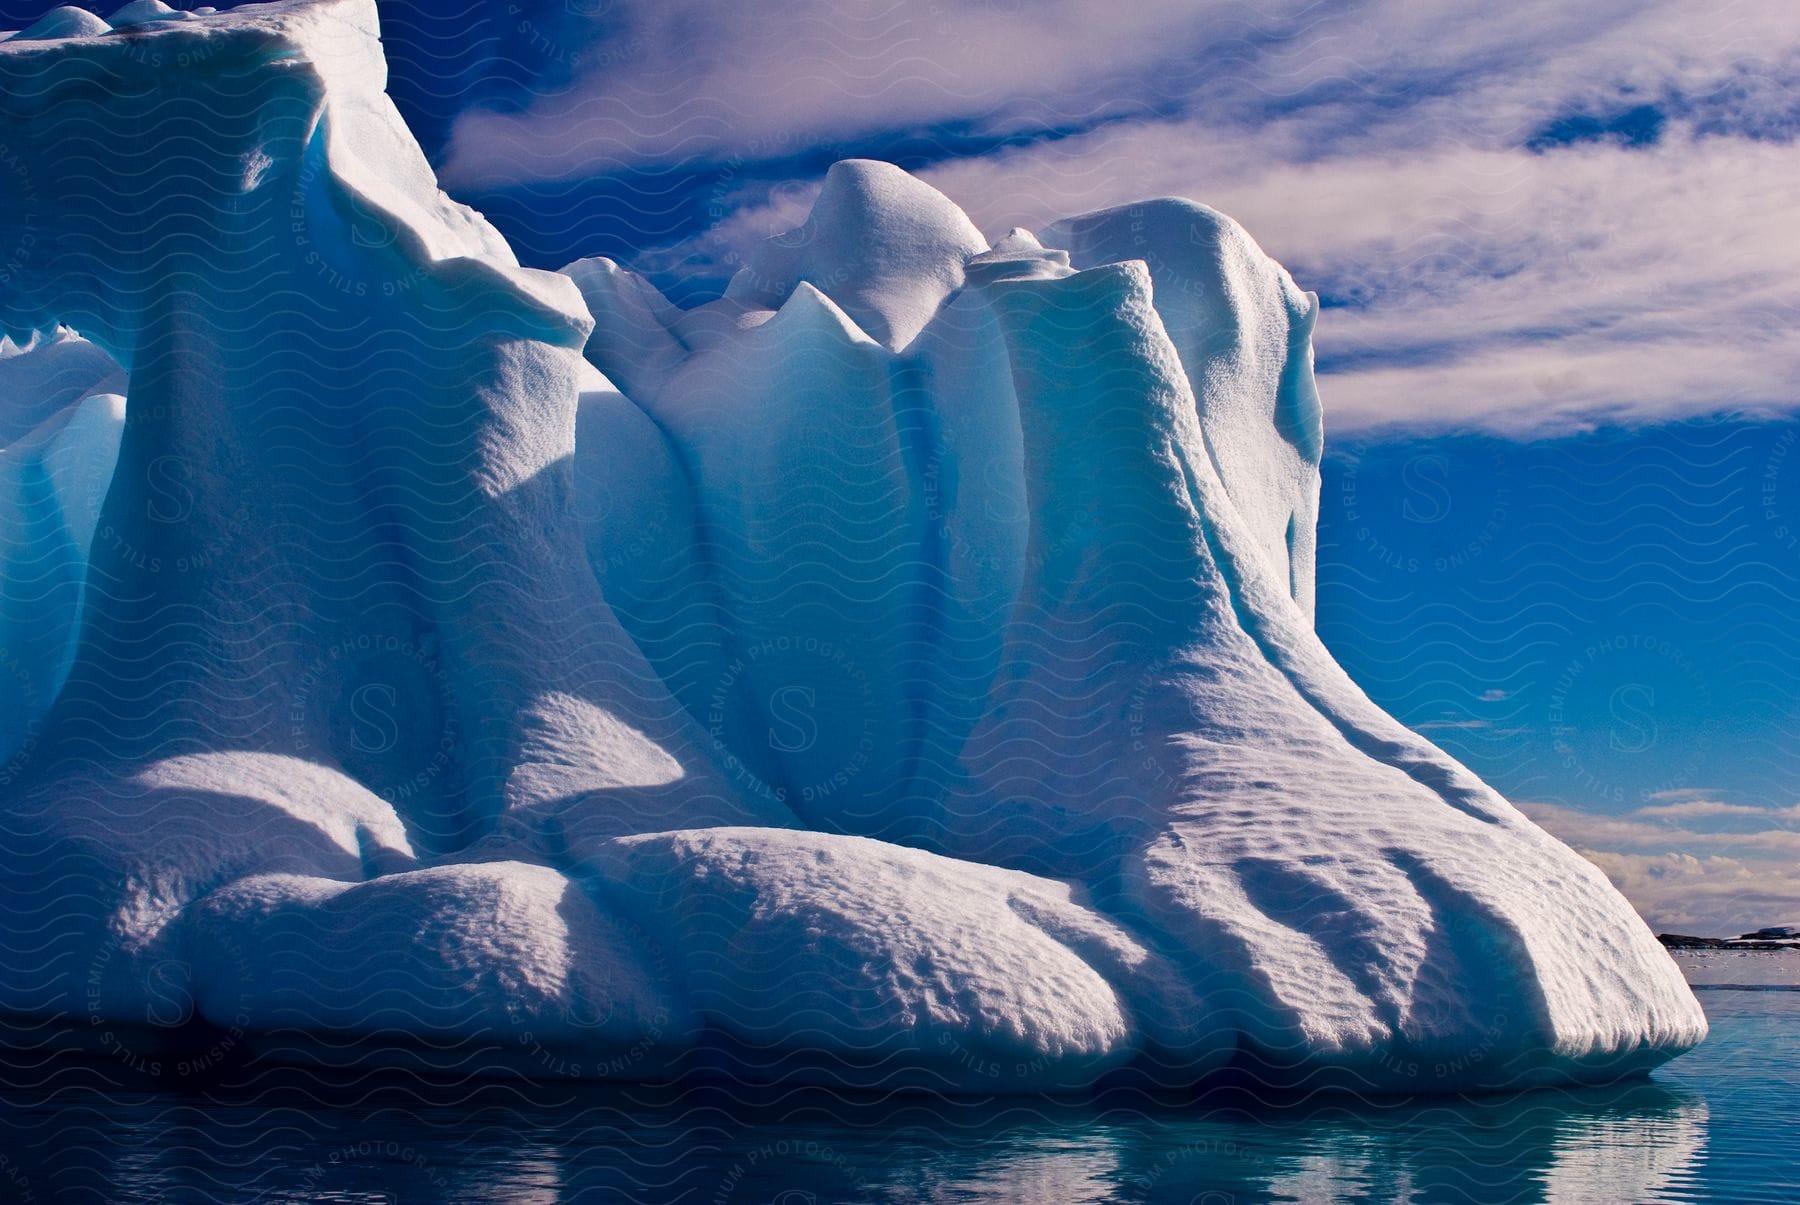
{"x":1775,"y":937}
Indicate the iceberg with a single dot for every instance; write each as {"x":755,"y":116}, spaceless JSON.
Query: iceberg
{"x":897,"y":672}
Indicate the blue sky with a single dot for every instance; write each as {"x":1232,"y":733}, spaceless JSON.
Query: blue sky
{"x":1601,"y":625}
{"x":1557,"y":251}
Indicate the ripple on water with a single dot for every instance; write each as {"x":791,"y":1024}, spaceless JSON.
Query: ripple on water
{"x":1712,"y":1125}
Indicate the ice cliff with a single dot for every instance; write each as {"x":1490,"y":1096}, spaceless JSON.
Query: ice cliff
{"x":898,"y":671}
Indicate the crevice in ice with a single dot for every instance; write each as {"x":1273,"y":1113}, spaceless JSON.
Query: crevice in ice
{"x":62,"y":416}
{"x":1480,"y":961}
{"x":1293,"y":570}
{"x":922,"y":640}
{"x":1347,"y":937}
{"x":1299,"y":417}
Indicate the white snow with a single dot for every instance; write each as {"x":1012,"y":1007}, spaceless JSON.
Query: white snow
{"x":426,"y":954}
{"x":633,"y":324}
{"x":47,"y":372}
{"x":103,"y":863}
{"x":140,"y":12}
{"x":901,"y":667}
{"x":887,"y":247}
{"x":1243,"y":330}
{"x":64,"y":22}
{"x":878,"y":959}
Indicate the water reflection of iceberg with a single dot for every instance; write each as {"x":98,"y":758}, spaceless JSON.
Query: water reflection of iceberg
{"x":290,"y":1140}
{"x":1632,"y":1143}
{"x":1636,"y":1155}
{"x":1626,"y":1143}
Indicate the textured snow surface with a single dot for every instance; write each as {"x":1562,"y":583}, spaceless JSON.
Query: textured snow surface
{"x":899,"y":671}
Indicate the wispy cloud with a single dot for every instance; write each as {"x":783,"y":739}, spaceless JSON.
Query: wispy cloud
{"x":1697,"y":808}
{"x":1708,"y":895}
{"x":673,"y":80}
{"x":1692,"y":877}
{"x":758,"y":81}
{"x":1504,"y":289}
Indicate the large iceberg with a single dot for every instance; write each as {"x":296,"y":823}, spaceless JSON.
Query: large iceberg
{"x":898,"y":671}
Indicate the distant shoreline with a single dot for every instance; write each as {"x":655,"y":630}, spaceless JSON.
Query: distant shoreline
{"x":1782,"y":937}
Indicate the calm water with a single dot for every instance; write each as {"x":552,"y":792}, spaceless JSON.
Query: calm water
{"x":1715,"y":1125}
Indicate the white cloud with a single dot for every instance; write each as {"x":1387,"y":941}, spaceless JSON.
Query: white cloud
{"x":1710,"y":896}
{"x":1504,"y":289}
{"x":1692,"y":878}
{"x":1695,"y":808}
{"x":755,"y":81}
{"x":679,"y":80}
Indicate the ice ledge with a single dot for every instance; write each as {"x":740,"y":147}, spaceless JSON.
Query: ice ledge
{"x":322,"y":58}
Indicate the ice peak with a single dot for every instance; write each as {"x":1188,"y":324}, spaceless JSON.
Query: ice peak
{"x":138,"y":12}
{"x":65,"y":22}
{"x":884,"y":245}
{"x":809,"y":314}
{"x":1017,"y":240}
{"x":1017,"y":256}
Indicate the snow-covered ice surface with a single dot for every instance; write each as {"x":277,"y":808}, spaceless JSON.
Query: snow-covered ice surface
{"x":899,"y":671}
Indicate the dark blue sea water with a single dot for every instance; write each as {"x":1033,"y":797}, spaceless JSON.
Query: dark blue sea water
{"x":1716,"y":1125}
